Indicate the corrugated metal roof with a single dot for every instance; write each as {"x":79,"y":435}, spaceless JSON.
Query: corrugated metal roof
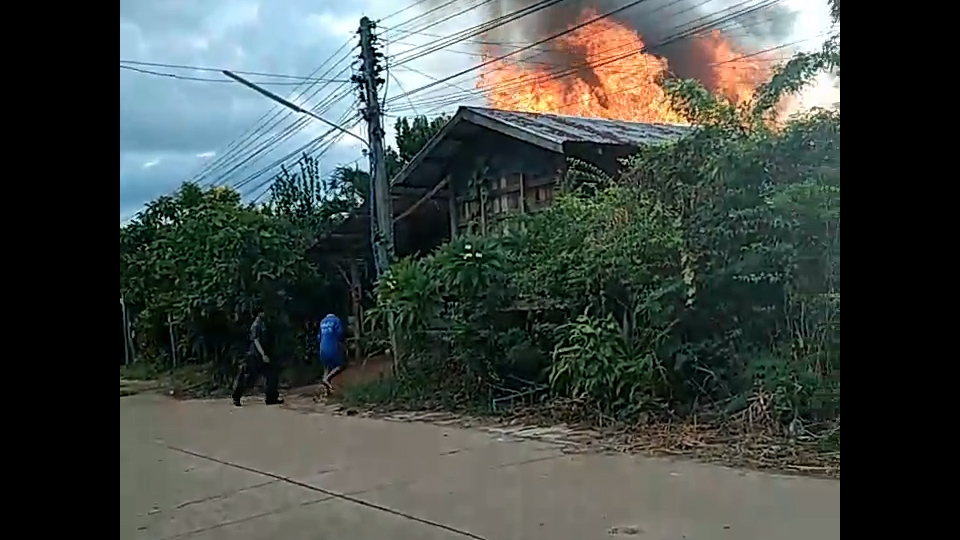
{"x":563,"y":129}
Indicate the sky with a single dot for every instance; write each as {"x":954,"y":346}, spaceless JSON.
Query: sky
{"x":173,"y":128}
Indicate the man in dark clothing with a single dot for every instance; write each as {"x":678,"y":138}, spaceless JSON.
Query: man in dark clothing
{"x":257,"y":363}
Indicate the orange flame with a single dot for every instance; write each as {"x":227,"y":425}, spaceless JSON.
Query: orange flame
{"x":610,"y":78}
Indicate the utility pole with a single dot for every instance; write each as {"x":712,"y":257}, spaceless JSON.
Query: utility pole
{"x":380,"y":201}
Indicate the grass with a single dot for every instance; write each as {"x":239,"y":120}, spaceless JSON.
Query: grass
{"x":734,"y":442}
{"x":190,"y":381}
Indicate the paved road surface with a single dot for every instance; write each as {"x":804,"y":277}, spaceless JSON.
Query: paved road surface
{"x":204,"y":471}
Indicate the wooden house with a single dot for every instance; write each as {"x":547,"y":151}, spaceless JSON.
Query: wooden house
{"x":486,"y":163}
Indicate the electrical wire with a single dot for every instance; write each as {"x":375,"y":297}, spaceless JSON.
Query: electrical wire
{"x":310,"y":147}
{"x":402,"y":10}
{"x":458,"y":37}
{"x":689,"y":32}
{"x":246,"y":143}
{"x":249,"y":148}
{"x":347,"y":120}
{"x":527,"y":47}
{"x":279,"y":138}
{"x":204,"y":79}
{"x":126,"y":64}
{"x":243,"y":140}
{"x":479,"y":29}
{"x":427,"y":13}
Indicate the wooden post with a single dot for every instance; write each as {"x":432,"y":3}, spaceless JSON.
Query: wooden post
{"x":483,"y":211}
{"x":173,"y":340}
{"x":355,"y":296}
{"x":125,"y":330}
{"x":452,"y":204}
{"x":173,"y":352}
{"x":523,"y":195}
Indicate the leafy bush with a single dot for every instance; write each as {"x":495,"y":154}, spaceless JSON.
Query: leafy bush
{"x":706,"y":274}
{"x":199,"y":260}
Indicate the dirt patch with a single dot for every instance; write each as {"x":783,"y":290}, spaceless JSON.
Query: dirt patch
{"x":372,"y":369}
{"x":367,"y":371}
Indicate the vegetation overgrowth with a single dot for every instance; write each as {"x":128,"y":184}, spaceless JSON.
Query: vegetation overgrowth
{"x":703,"y":280}
{"x":194,"y":264}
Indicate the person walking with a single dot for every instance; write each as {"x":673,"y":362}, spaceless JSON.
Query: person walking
{"x":331,"y":348}
{"x":256,"y":364}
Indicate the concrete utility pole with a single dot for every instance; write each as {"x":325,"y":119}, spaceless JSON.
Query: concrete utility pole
{"x":380,"y":201}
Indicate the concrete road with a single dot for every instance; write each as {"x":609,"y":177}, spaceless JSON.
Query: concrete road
{"x":203,"y":470}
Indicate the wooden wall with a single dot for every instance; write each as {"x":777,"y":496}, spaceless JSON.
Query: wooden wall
{"x":508,"y":177}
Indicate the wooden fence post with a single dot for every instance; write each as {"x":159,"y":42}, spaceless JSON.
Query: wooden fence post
{"x":173,"y":352}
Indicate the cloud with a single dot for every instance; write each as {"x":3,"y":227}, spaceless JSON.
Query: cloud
{"x":170,"y":128}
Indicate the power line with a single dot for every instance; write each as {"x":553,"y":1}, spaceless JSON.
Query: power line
{"x":479,"y":29}
{"x":347,"y":117}
{"x":203,"y":79}
{"x":402,"y":10}
{"x":242,"y":142}
{"x":681,"y":35}
{"x":526,"y":47}
{"x":487,"y":26}
{"x":236,"y":144}
{"x":278,"y":138}
{"x":427,"y":13}
{"x":247,"y":148}
{"x":245,"y":140}
{"x":564,"y":105}
{"x":347,"y":120}
{"x":215,"y":70}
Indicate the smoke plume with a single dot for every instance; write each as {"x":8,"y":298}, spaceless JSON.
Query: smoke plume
{"x":655,"y":21}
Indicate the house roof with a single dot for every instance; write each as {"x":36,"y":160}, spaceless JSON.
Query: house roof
{"x":548,"y":131}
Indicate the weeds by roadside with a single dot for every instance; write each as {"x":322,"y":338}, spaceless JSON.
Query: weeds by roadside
{"x":749,"y":438}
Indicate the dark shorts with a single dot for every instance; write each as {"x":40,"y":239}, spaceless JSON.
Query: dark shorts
{"x":331,"y":360}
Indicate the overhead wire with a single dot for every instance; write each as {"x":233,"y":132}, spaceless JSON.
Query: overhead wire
{"x":279,"y":137}
{"x":269,"y":122}
{"x":427,"y":13}
{"x":477,"y":30}
{"x":539,"y":42}
{"x":204,"y":79}
{"x":347,"y":121}
{"x":564,"y":104}
{"x":236,"y":147}
{"x":128,"y":64}
{"x":348,"y":117}
{"x":401,"y":10}
{"x":243,"y":141}
{"x":458,"y":37}
{"x":252,"y":151}
{"x":570,"y":70}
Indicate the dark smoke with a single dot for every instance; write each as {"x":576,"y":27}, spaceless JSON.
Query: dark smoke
{"x":655,"y":20}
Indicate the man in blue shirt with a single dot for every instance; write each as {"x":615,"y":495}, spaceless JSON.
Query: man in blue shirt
{"x":331,"y":348}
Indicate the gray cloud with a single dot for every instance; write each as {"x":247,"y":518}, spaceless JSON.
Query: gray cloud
{"x":168,"y":125}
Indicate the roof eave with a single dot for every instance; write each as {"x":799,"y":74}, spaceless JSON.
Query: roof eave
{"x":475,"y":116}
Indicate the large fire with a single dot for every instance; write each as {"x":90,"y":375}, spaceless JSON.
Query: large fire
{"x":609,"y":78}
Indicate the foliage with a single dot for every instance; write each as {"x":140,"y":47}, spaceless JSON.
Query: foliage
{"x":411,"y":137}
{"x":204,"y":260}
{"x":198,"y":261}
{"x":706,"y":273}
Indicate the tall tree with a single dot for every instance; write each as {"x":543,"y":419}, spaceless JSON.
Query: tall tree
{"x":413,"y":135}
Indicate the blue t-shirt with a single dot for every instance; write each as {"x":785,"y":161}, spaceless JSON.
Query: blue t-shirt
{"x":331,"y":333}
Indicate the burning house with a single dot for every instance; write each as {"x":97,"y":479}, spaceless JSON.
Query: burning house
{"x":487,"y":163}
{"x":591,"y":89}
